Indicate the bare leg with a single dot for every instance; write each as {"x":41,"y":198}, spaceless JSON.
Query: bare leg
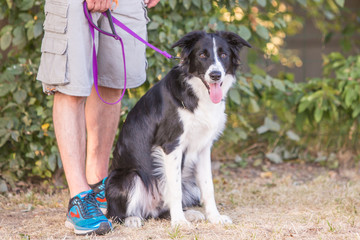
{"x":69,"y":124}
{"x":101,"y":122}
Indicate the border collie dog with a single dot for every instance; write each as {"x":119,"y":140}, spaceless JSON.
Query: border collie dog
{"x":162,"y":161}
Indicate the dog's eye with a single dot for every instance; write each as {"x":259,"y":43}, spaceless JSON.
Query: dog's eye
{"x":202,"y":55}
{"x":223,"y":55}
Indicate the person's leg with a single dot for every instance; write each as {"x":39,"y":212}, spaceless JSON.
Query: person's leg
{"x":84,"y":215}
{"x":69,"y":124}
{"x":101,"y":122}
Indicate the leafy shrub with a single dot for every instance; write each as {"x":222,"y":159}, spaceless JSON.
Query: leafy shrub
{"x":263,"y":111}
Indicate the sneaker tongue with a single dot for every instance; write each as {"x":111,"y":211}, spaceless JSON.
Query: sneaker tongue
{"x":215,"y":92}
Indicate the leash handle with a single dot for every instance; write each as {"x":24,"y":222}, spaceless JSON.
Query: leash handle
{"x":109,"y":16}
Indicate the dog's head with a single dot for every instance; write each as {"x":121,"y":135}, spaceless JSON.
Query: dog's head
{"x":210,"y":57}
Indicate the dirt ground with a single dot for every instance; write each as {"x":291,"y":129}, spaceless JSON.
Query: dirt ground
{"x":288,"y":201}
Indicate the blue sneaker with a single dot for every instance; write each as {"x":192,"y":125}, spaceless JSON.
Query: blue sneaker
{"x":99,"y":190}
{"x":85,"y":217}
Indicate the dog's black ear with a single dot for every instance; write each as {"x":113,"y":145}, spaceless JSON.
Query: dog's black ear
{"x":187,"y":44}
{"x":234,"y":40}
{"x":189,"y":39}
{"x":236,"y":43}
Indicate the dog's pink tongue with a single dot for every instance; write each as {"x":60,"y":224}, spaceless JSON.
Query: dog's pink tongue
{"x":215,"y":92}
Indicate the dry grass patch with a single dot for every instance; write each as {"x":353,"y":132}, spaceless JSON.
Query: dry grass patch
{"x":286,"y":203}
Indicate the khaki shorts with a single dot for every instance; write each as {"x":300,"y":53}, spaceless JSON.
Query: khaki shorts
{"x":66,"y":60}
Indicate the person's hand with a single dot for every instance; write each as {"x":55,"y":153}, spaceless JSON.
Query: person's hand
{"x":151,"y":3}
{"x":98,"y":5}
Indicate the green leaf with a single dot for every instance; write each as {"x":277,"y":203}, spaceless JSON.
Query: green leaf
{"x":262,"y":3}
{"x":30,"y":32}
{"x":329,"y":15}
{"x":187,"y":4}
{"x":243,"y":4}
{"x":162,"y":37}
{"x":197,"y":3}
{"x":246,"y":90}
{"x":244,"y":32}
{"x":302,"y":2}
{"x":267,"y":81}
{"x":274,"y":157}
{"x":38,"y":29}
{"x":341,"y":3}
{"x":253,"y":107}
{"x":20,"y":96}
{"x":350,"y":96}
{"x":257,"y":70}
{"x":172,"y":4}
{"x":9,"y":3}
{"x":278,"y":84}
{"x":153,"y":25}
{"x":318,"y":114}
{"x":235,"y":96}
{"x":52,"y":162}
{"x":6,"y":29}
{"x":19,"y":36}
{"x":26,"y":4}
{"x":292,"y":136}
{"x":262,"y":129}
{"x":4,"y":89}
{"x":304,"y":104}
{"x":5,"y":41}
{"x":9,"y":105}
{"x":3,"y":186}
{"x":4,"y":139}
{"x":356,"y":112}
{"x":175,"y":17}
{"x":262,"y":32}
{"x":25,"y":17}
{"x":3,"y":132}
{"x":15,"y":135}
{"x":271,"y":125}
{"x":206,"y":5}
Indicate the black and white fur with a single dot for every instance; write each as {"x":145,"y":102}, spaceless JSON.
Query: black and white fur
{"x":162,"y":158}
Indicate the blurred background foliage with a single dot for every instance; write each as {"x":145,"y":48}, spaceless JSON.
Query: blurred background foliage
{"x":271,"y":117}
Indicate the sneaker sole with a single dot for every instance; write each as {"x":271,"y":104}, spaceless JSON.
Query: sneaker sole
{"x":101,"y":230}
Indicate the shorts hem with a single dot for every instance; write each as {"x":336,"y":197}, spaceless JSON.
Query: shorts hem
{"x":74,"y":91}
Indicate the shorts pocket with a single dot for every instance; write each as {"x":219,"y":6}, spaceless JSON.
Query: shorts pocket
{"x":53,"y":61}
{"x":56,"y":16}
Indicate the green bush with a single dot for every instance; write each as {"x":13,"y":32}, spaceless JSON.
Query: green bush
{"x":262,"y":110}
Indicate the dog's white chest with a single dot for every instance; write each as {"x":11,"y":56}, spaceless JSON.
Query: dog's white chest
{"x":203,"y":126}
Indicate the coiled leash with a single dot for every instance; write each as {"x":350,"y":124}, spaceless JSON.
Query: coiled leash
{"x":113,"y":20}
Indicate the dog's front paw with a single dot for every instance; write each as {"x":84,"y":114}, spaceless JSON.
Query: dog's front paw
{"x":194,"y":216}
{"x":180,"y":222}
{"x":219,"y":219}
{"x":133,"y":222}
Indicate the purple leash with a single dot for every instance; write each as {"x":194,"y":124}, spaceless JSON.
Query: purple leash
{"x":112,"y":20}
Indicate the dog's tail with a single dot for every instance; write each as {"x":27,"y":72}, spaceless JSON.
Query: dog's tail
{"x":120,"y":187}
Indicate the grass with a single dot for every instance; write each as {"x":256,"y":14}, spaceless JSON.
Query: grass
{"x":294,"y":202}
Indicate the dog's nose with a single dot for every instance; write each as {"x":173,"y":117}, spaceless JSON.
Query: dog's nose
{"x":215,"y":75}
